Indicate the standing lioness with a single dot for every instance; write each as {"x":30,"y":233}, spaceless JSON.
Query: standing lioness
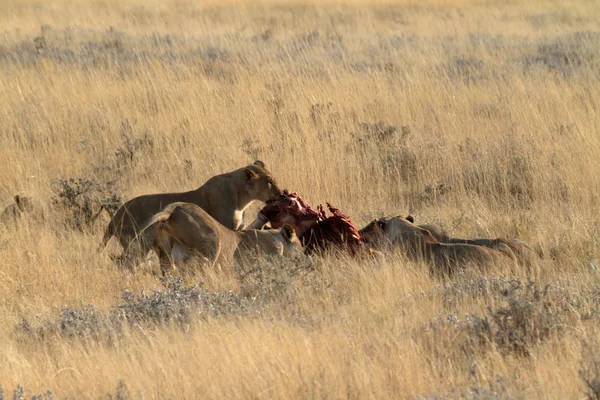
{"x":182,"y":229}
{"x":224,"y":197}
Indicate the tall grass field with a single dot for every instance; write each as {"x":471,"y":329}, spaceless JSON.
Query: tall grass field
{"x":480,"y":116}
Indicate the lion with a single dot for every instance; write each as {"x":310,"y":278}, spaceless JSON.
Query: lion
{"x":224,"y":197}
{"x":183,"y":229}
{"x":526,"y":256}
{"x":13,"y":212}
{"x":420,"y":244}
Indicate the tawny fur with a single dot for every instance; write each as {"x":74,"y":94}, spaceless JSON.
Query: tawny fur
{"x":224,"y":197}
{"x":418,"y":243}
{"x":526,"y":257}
{"x":193,"y":230}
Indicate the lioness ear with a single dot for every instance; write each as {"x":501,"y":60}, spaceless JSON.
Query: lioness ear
{"x":17,"y":199}
{"x":250,"y":174}
{"x":259,"y":163}
{"x":288,"y":231}
{"x":428,"y":235}
{"x":410,"y":219}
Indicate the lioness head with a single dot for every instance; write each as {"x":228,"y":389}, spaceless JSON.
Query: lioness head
{"x":291,"y":243}
{"x":259,"y":183}
{"x":396,"y":230}
{"x":25,"y":204}
{"x":13,"y":212}
{"x":373,"y":234}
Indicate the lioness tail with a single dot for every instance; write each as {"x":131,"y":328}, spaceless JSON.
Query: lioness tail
{"x":161,"y":216}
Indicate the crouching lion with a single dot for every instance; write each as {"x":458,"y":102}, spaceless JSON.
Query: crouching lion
{"x":12,"y":213}
{"x":420,"y":244}
{"x":525,"y":255}
{"x":184,"y":229}
{"x":224,"y":197}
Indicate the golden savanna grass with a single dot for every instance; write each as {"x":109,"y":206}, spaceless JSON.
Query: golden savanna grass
{"x":480,"y":116}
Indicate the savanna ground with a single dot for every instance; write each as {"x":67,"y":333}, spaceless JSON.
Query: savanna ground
{"x":480,"y":116}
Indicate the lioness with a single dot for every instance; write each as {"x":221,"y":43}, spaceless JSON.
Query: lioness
{"x":12,"y":213}
{"x":224,"y":197}
{"x":419,"y":243}
{"x":182,"y":229}
{"x":525,"y":254}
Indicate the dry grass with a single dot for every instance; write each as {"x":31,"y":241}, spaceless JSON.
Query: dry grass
{"x":368,"y":105}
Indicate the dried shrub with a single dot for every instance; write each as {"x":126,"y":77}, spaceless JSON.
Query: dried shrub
{"x":20,"y":393}
{"x":82,"y":324}
{"x":393,"y":156}
{"x":127,"y":155}
{"x":178,"y":304}
{"x":434,"y":192}
{"x":449,"y":334}
{"x":319,"y":113}
{"x":270,"y":279}
{"x":496,"y":389}
{"x":254,"y":149}
{"x":453,"y":292}
{"x":175,"y":306}
{"x":507,"y":170}
{"x":121,"y":393}
{"x":84,"y":199}
{"x":487,"y":110}
{"x":530,"y":315}
{"x":379,"y":133}
{"x":326,"y":121}
{"x":590,"y":369}
{"x":568,"y":56}
{"x":525,"y":321}
{"x":131,"y":147}
{"x":465,"y":69}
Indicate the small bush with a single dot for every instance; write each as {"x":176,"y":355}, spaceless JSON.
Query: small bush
{"x":466,"y":69}
{"x":177,"y":305}
{"x":531,"y":315}
{"x":270,"y":279}
{"x":394,"y":157}
{"x":127,"y":155}
{"x":121,"y":393}
{"x":20,"y":394}
{"x":590,"y":369}
{"x":508,"y":170}
{"x":492,"y":390}
{"x":83,"y":199}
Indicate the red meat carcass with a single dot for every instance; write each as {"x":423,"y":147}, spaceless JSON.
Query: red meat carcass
{"x":316,"y":230}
